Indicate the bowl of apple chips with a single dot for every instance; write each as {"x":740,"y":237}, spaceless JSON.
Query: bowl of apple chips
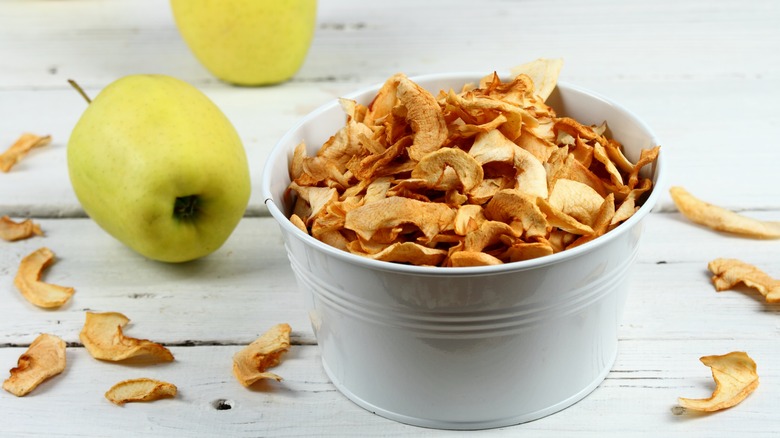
{"x":465,"y":240}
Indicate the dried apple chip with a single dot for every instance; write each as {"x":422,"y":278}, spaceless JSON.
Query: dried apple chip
{"x":250,"y":364}
{"x":735,"y":378}
{"x":488,"y":188}
{"x":721,"y":219}
{"x":468,"y":218}
{"x":489,"y":233}
{"x":544,"y":74}
{"x":527,"y":251}
{"x":629,"y":205}
{"x":559,"y":219}
{"x":493,"y":146}
{"x":373,"y":165}
{"x":477,"y":106}
{"x":601,"y":221}
{"x":600,"y":154}
{"x":20,"y":148}
{"x":518,"y":210}
{"x":727,"y":273}
{"x":12,"y":231}
{"x":412,"y":253}
{"x":44,"y":359}
{"x":424,"y":115}
{"x":576,"y":199}
{"x":316,"y":198}
{"x":140,"y":390}
{"x":465,"y":171}
{"x":472,"y":258}
{"x":28,"y":281}
{"x":573,"y":169}
{"x":102,"y":336}
{"x":383,"y":102}
{"x":431,"y":218}
{"x":298,"y":222}
{"x":616,"y":155}
{"x":646,"y":156}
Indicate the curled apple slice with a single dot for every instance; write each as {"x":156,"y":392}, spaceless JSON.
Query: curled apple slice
{"x":449,"y":168}
{"x":44,"y":359}
{"x":389,"y":213}
{"x":102,"y":336}
{"x":28,"y":281}
{"x":735,"y":378}
{"x":423,"y":115}
{"x":727,"y":273}
{"x":140,"y":390}
{"x":250,"y":364}
{"x":12,"y":231}
{"x":721,"y":219}
{"x":544,"y":74}
{"x":20,"y":148}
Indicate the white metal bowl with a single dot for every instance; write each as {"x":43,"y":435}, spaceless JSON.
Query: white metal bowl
{"x":465,"y":348}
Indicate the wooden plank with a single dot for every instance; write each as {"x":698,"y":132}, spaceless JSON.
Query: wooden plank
{"x":635,"y":399}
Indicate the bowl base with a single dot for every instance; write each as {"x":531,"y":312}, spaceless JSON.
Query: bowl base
{"x":473,"y":425}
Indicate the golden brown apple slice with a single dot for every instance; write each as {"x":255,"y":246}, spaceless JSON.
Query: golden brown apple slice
{"x":102,"y":336}
{"x":28,"y":281}
{"x":44,"y":359}
{"x":20,"y":148}
{"x":735,"y":378}
{"x":140,"y":390}
{"x":11,"y":231}
{"x":250,"y":364}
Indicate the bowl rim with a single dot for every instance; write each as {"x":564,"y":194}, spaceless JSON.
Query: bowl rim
{"x":287,"y":225}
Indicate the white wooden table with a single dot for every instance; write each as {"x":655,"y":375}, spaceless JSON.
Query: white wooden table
{"x":704,"y":74}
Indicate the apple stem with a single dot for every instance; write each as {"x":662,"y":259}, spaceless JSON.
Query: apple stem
{"x":80,"y":90}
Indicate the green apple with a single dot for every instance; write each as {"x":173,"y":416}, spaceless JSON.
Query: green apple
{"x":158,"y":166}
{"x":247,"y":42}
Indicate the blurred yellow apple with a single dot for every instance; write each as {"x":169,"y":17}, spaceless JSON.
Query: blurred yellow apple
{"x":248,"y":42}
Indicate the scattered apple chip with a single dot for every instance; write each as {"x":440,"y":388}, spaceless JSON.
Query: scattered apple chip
{"x":413,"y":178}
{"x":721,"y":219}
{"x":735,"y":378}
{"x":140,"y":390}
{"x":28,"y":281}
{"x":102,"y":336}
{"x":18,"y":150}
{"x":727,"y":273}
{"x":44,"y":359}
{"x":12,"y":231}
{"x":250,"y":364}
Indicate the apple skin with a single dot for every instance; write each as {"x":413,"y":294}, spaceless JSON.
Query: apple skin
{"x":247,"y":42}
{"x":145,"y":141}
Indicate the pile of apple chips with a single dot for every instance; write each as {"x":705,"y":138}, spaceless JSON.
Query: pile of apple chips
{"x":485,"y":176}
